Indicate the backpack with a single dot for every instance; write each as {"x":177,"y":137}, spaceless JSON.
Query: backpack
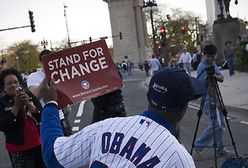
{"x":124,"y":66}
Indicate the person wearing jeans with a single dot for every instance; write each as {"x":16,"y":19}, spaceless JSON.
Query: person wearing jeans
{"x":214,"y":113}
{"x":207,"y":134}
{"x":185,"y":59}
{"x":229,"y":57}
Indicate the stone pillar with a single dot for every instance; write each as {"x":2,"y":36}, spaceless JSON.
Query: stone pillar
{"x":227,"y":30}
{"x":127,"y":17}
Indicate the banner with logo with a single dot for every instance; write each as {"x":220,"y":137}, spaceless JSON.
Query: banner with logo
{"x":82,"y":72}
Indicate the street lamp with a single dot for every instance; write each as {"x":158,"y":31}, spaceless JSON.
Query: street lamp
{"x":151,"y":6}
{"x":44,"y":43}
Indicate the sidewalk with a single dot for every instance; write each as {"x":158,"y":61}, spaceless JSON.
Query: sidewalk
{"x":234,"y":90}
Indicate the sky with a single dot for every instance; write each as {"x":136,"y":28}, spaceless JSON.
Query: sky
{"x":86,"y":18}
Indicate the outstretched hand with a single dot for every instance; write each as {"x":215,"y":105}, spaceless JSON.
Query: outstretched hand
{"x":49,"y":92}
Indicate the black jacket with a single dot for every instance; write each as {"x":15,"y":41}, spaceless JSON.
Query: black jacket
{"x":105,"y":101}
{"x":13,"y":126}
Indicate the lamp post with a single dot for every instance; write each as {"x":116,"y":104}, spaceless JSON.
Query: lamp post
{"x":68,"y":37}
{"x":151,"y":6}
{"x":198,"y":43}
{"x":2,"y":54}
{"x":196,"y":30}
{"x":18,"y":62}
{"x":51,"y":45}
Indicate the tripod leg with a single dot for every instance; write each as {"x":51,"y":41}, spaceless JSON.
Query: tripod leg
{"x":223,"y":109}
{"x":199,"y":114}
{"x":231,"y":136}
{"x":213,"y":118}
{"x":196,"y":130}
{"x":213,"y":115}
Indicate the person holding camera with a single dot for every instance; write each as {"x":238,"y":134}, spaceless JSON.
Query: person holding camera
{"x":19,"y":120}
{"x":207,"y":67}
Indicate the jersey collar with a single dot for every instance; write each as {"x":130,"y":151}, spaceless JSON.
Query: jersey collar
{"x":157,"y":118}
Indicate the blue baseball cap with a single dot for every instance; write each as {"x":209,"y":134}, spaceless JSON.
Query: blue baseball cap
{"x":172,"y":88}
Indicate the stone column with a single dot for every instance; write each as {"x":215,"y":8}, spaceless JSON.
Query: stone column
{"x":127,"y":17}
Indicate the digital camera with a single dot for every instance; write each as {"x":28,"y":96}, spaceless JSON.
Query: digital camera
{"x":18,"y":88}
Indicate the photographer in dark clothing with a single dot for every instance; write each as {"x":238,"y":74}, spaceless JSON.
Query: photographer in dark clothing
{"x":19,"y":120}
{"x":108,"y":106}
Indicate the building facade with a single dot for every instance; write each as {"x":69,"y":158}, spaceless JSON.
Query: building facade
{"x":127,"y":17}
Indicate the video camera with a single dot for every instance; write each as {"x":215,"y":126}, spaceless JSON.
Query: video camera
{"x":210,"y":69}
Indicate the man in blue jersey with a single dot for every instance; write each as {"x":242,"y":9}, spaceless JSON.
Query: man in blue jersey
{"x":144,"y":140}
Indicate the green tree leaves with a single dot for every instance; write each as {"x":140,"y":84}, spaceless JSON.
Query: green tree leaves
{"x":23,"y":56}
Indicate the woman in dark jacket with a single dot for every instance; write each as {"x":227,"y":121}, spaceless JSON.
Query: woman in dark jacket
{"x":19,"y":120}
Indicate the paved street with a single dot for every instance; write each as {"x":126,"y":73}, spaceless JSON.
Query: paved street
{"x":134,"y":93}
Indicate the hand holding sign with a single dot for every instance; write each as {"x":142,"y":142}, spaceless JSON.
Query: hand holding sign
{"x":82,"y":72}
{"x":49,"y":93}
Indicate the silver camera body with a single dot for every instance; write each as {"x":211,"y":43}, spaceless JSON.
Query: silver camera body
{"x":18,"y":89}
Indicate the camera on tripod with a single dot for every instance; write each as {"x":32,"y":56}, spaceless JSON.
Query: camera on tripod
{"x":210,"y":69}
{"x":212,"y":104}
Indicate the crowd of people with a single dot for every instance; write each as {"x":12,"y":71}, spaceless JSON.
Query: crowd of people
{"x":125,"y":67}
{"x":190,"y":60}
{"x":25,"y":106}
{"x":183,"y":59}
